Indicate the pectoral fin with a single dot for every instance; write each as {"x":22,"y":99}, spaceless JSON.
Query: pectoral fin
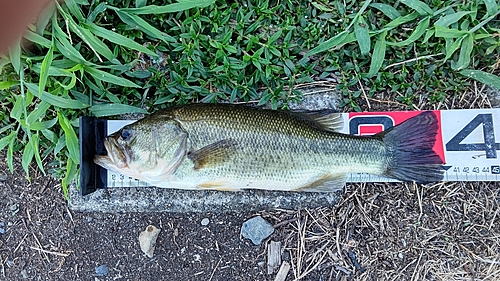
{"x":327,"y":183}
{"x":212,"y":154}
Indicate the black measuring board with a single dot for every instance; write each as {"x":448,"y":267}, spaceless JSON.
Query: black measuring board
{"x":91,"y":135}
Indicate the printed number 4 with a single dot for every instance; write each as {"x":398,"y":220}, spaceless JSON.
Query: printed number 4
{"x":489,"y":146}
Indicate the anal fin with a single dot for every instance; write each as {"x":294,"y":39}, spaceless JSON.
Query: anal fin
{"x":327,"y":183}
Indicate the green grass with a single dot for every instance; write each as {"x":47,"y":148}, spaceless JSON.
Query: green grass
{"x":86,"y":59}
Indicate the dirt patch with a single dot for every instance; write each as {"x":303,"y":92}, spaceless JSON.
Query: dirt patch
{"x":44,"y":240}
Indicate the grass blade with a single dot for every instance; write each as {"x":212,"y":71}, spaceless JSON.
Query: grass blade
{"x":28,"y":153}
{"x":63,"y":45}
{"x":483,"y":77}
{"x":418,"y":6}
{"x":74,"y":9}
{"x":483,"y":23}
{"x":44,"y":125}
{"x":465,"y":52}
{"x":97,"y":10}
{"x":378,"y":55}
{"x":15,"y":56}
{"x":140,"y":3}
{"x":37,"y":39}
{"x":53,"y":71}
{"x":55,"y":100}
{"x":118,"y":39}
{"x":451,"y":19}
{"x":6,"y":140}
{"x":110,"y":78}
{"x":328,"y":44}
{"x":491,"y":6}
{"x":7,"y":84}
{"x":362,"y":35}
{"x":182,"y":5}
{"x":417,"y":33}
{"x":110,"y":109}
{"x":17,"y":109}
{"x":51,"y":136}
{"x":36,"y":150}
{"x":68,"y":177}
{"x":44,"y":17}
{"x":10,"y":155}
{"x":70,"y":137}
{"x":39,"y":112}
{"x":44,"y":70}
{"x":71,"y":84}
{"x":138,"y":23}
{"x":451,"y":49}
{"x":96,"y":45}
{"x":401,"y":20}
{"x":388,"y":10}
{"x":445,"y":32}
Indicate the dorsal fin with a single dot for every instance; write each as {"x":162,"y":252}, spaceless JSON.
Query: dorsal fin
{"x":326,"y":119}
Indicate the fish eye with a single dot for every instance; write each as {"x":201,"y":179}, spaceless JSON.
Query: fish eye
{"x":126,"y":134}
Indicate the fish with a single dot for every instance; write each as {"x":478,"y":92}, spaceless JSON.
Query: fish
{"x":233,"y":147}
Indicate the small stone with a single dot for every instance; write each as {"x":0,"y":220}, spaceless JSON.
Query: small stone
{"x":197,"y":257}
{"x":2,"y":230}
{"x":89,"y":219}
{"x":2,"y":223}
{"x":400,"y":255}
{"x":205,"y":221}
{"x":14,"y":207}
{"x":24,"y":274}
{"x":10,"y":263}
{"x":256,"y":229}
{"x":147,"y":240}
{"x":102,"y":270}
{"x":9,"y":223}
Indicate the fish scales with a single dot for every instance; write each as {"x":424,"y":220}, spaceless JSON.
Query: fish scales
{"x":231,"y":147}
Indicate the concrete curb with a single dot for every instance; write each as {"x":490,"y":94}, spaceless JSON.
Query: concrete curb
{"x":154,"y":199}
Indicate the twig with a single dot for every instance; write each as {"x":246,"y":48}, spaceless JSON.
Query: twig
{"x":70,"y":216}
{"x":364,"y":94}
{"x":416,"y":266}
{"x":337,"y":239}
{"x":212,"y":275}
{"x":284,"y":222}
{"x":19,"y":245}
{"x":411,"y":60}
{"x":50,"y":252}
{"x":312,"y":268}
{"x":40,"y":245}
{"x":419,"y":197}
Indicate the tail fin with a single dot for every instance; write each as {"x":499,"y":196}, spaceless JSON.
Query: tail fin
{"x":409,"y":146}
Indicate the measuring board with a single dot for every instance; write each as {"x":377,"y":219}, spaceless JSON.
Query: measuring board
{"x":466,"y":142}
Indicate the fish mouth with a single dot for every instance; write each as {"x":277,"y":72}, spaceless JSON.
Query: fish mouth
{"x":115,"y":159}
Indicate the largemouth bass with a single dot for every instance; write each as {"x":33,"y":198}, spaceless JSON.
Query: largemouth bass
{"x":233,"y":147}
